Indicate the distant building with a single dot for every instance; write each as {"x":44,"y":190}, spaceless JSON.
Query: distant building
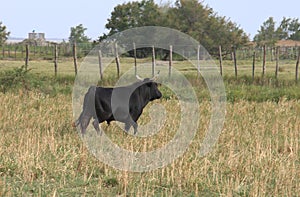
{"x":37,"y":38}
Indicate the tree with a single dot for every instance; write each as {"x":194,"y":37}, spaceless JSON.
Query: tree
{"x":283,"y":29}
{"x":200,"y":22}
{"x":225,"y":33}
{"x":188,"y":16}
{"x":294,"y":29}
{"x":77,"y":34}
{"x":3,"y":34}
{"x":267,"y":35}
{"x":132,"y":14}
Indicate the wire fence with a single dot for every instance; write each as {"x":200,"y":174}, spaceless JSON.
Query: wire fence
{"x":44,"y":52}
{"x":47,"y":52}
{"x":68,"y":51}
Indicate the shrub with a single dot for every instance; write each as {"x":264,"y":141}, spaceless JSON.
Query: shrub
{"x":10,"y":79}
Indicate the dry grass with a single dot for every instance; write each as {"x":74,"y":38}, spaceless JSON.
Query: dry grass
{"x":42,"y":155}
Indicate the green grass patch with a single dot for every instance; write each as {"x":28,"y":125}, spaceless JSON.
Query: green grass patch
{"x":21,"y":79}
{"x":258,"y":89}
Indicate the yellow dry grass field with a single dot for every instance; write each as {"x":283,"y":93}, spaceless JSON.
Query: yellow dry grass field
{"x":257,"y":153}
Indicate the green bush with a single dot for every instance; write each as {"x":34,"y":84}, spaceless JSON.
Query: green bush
{"x":20,"y":78}
{"x":12,"y":79}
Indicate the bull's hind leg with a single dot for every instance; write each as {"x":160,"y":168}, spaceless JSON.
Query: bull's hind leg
{"x":96,"y":126}
{"x":84,"y":122}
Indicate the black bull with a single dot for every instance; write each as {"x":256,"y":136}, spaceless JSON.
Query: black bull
{"x":124,"y":104}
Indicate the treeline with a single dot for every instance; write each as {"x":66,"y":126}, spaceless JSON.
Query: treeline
{"x":190,"y":17}
{"x":269,"y":34}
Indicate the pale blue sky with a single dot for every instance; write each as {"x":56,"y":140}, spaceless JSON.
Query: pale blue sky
{"x":55,"y":17}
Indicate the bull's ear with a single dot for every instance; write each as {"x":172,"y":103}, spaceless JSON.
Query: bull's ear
{"x":139,"y":78}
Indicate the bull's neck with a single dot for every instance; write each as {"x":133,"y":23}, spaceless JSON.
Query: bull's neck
{"x":144,"y":93}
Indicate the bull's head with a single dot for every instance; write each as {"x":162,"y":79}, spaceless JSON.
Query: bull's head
{"x":154,"y":92}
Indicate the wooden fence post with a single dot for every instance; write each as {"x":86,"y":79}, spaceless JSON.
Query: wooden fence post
{"x":264,"y":61}
{"x":3,"y":50}
{"x":198,"y":60}
{"x":16,"y":52}
{"x":22,"y":51}
{"x":47,"y":49}
{"x":221,"y":60}
{"x":170,"y":60}
{"x":153,"y":61}
{"x":26,"y":56}
{"x":253,"y":65}
{"x":117,"y":59}
{"x":235,"y":62}
{"x":40,"y":50}
{"x":75,"y":57}
{"x":34,"y":50}
{"x":55,"y":59}
{"x":297,"y":65}
{"x":135,"y":62}
{"x":100,"y":64}
{"x":272,"y":54}
{"x":9,"y":48}
{"x":277,"y":62}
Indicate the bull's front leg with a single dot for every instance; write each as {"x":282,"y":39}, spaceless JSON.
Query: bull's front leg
{"x":135,"y":126}
{"x":129,"y":124}
{"x":96,"y":126}
{"x":127,"y":127}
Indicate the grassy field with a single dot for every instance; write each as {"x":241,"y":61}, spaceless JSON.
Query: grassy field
{"x":257,"y":153}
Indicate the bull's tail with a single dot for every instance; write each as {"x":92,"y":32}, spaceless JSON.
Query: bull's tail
{"x":88,"y":110}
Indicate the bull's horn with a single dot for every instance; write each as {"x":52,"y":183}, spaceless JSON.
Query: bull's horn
{"x":139,"y":78}
{"x":156,"y":76}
